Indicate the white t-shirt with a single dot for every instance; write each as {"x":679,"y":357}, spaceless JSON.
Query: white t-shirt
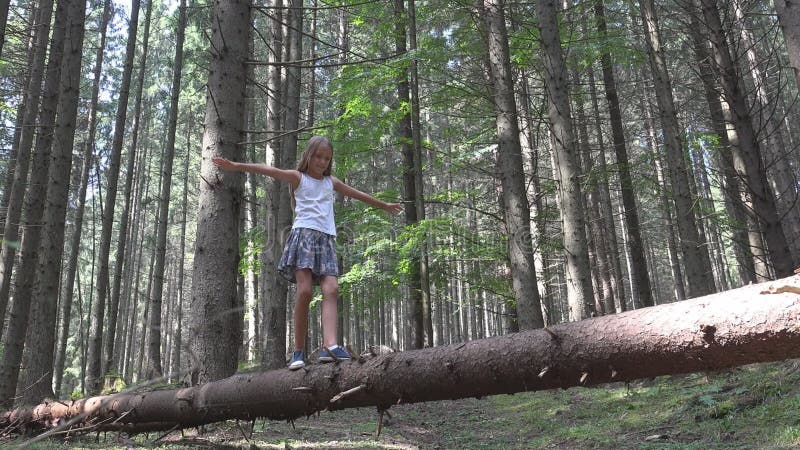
{"x":314,"y":204}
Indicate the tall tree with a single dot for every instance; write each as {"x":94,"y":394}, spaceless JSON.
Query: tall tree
{"x":697,"y":264}
{"x":512,"y":178}
{"x":274,"y":292}
{"x":154,"y":345}
{"x":110,"y":360}
{"x":747,"y":154}
{"x":642,"y":289}
{"x":33,"y":209}
{"x":566,"y":164}
{"x":721,"y":153}
{"x":26,"y":125}
{"x":87,"y":159}
{"x":789,"y":21}
{"x":406,"y":143}
{"x":419,"y":199}
{"x":214,"y":318}
{"x":41,"y":338}
{"x":94,"y":374}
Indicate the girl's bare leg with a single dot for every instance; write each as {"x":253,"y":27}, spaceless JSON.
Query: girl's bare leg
{"x":330,"y":299}
{"x":302,"y":300}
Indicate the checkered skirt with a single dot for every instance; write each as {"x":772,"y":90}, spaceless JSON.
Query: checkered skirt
{"x":309,"y":249}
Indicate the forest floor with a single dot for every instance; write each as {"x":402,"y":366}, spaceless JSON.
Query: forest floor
{"x":752,"y":407}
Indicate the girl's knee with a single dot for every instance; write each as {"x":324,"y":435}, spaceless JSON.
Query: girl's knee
{"x":304,"y":293}
{"x":331,"y":290}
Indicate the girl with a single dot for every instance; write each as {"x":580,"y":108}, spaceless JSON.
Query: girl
{"x":310,"y":252}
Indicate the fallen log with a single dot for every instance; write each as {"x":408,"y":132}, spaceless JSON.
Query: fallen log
{"x":727,"y":329}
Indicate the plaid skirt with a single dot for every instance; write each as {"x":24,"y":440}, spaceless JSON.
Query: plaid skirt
{"x":309,"y":249}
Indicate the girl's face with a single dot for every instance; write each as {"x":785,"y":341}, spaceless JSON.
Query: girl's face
{"x":320,"y":161}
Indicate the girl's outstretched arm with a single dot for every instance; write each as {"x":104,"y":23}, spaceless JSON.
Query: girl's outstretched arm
{"x":352,"y":192}
{"x":290,"y":176}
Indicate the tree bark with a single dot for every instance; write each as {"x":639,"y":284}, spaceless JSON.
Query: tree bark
{"x":642,"y":286}
{"x":213,"y":313}
{"x":701,"y":334}
{"x":95,"y":351}
{"x":87,"y":158}
{"x":697,"y":264}
{"x":721,"y":152}
{"x":405,"y":137}
{"x":747,"y":154}
{"x":33,"y":209}
{"x":566,"y":167}
{"x":154,"y":368}
{"x":789,"y":21}
{"x":41,"y":337}
{"x":274,"y":292}
{"x":512,"y":176}
{"x":27,"y":125}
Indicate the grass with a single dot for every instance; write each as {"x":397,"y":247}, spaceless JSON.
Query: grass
{"x":753,"y":407}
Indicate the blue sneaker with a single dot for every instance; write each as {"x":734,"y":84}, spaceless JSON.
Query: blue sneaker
{"x":337,"y":353}
{"x":297,"y":360}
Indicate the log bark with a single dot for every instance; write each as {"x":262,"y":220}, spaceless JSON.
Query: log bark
{"x":727,"y":329}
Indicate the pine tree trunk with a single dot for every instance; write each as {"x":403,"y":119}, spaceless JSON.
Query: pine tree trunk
{"x":721,"y":154}
{"x":767,"y":122}
{"x":578,"y":275}
{"x":509,"y":153}
{"x":697,"y":264}
{"x":648,"y":342}
{"x":213,"y":315}
{"x":27,"y":125}
{"x":274,"y":294}
{"x":406,"y":142}
{"x":41,"y":338}
{"x":95,"y":352}
{"x":419,"y":199}
{"x":87,"y":158}
{"x":789,"y":21}
{"x":155,"y":368}
{"x":33,"y":208}
{"x":747,"y":154}
{"x":642,"y":286}
{"x":177,"y":347}
{"x":606,"y":209}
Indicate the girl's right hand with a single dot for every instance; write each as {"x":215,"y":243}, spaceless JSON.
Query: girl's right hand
{"x":223,"y":163}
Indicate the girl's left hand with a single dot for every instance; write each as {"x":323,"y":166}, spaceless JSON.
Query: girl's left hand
{"x":393,"y":208}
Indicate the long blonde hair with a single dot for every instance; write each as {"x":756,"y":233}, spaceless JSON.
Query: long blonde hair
{"x":314,"y":144}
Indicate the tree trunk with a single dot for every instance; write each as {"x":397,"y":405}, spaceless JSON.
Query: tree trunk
{"x":695,"y":335}
{"x":721,"y":153}
{"x":33,"y":208}
{"x":27,"y":125}
{"x":789,"y":21}
{"x":607,"y":209}
{"x":87,"y":158}
{"x":177,"y":346}
{"x":697,"y":264}
{"x":406,"y":143}
{"x":213,"y":301}
{"x":41,"y":338}
{"x":640,"y":276}
{"x":274,"y":292}
{"x":155,"y":368}
{"x":747,"y":154}
{"x":512,"y":176}
{"x":768,"y":124}
{"x":95,"y":356}
{"x":567,"y":168}
{"x":419,"y":199}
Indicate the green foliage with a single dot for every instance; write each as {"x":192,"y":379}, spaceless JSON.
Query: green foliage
{"x":250,"y":244}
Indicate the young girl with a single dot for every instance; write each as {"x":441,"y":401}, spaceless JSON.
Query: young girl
{"x":310,"y":252}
